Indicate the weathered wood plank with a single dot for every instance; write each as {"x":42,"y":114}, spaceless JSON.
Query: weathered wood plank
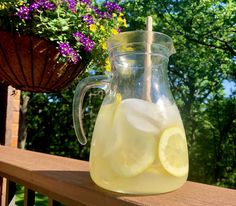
{"x":68,"y":181}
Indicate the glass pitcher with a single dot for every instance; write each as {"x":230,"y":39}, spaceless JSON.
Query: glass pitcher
{"x":139,"y":144}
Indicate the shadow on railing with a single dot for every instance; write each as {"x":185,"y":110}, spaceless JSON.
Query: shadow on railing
{"x":66,"y":181}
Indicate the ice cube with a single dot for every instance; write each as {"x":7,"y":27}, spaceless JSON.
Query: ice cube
{"x":142,"y":115}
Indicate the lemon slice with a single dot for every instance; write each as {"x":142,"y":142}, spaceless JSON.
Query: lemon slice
{"x":135,"y":149}
{"x":173,"y":152}
{"x":132,"y":147}
{"x":133,"y":156}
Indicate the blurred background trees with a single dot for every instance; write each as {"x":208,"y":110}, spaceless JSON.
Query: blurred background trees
{"x":204,"y":34}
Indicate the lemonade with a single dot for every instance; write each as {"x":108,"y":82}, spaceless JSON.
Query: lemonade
{"x":139,"y":147}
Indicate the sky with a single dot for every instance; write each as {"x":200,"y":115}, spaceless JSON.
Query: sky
{"x":229,"y":86}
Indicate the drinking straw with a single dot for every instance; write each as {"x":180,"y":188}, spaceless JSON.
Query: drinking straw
{"x":148,"y":61}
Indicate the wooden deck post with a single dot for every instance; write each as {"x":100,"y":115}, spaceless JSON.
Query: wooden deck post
{"x":9,"y":124}
{"x":3,"y":110}
{"x":3,"y":106}
{"x":12,"y":117}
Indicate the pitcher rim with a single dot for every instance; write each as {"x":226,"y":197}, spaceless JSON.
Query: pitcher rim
{"x":169,"y":39}
{"x":141,"y":31}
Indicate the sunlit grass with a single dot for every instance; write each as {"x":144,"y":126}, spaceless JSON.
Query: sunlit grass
{"x":39,"y":199}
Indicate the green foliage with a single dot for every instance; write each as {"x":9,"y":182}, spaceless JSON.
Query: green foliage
{"x":50,"y":126}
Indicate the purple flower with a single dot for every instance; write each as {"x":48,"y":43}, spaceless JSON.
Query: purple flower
{"x":96,"y":10}
{"x":88,"y":45}
{"x":66,"y":50}
{"x":34,"y":6}
{"x":74,"y":57}
{"x":72,"y":5}
{"x":88,"y":2}
{"x":101,"y":14}
{"x":88,"y":19}
{"x":23,"y":12}
{"x":85,"y":41}
{"x":42,"y":4}
{"x":112,"y":7}
{"x":49,"y":5}
{"x":106,"y":15}
{"x":78,"y":35}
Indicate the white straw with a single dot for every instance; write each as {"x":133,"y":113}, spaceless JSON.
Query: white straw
{"x":148,"y":61}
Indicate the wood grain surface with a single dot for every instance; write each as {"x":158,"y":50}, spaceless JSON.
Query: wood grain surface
{"x":68,"y":181}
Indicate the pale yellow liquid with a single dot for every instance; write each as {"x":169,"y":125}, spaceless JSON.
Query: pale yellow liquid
{"x":107,"y":137}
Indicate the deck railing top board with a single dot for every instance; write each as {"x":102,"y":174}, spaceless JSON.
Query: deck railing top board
{"x":67,"y":180}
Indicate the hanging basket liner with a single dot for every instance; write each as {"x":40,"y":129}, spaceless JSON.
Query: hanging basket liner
{"x":30,"y":64}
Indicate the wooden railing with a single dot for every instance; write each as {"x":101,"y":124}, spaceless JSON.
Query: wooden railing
{"x":67,"y":181}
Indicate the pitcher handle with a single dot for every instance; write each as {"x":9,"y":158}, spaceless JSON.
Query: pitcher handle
{"x":99,"y":81}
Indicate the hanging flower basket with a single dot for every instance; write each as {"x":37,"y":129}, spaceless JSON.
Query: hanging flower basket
{"x":30,"y":64}
{"x":77,"y":31}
